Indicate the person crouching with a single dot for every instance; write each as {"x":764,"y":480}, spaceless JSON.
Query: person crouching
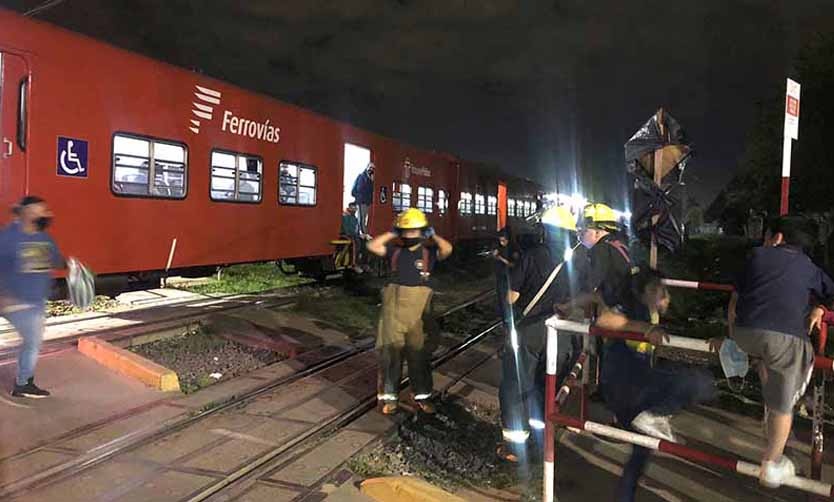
{"x":412,"y":249}
{"x":643,"y":396}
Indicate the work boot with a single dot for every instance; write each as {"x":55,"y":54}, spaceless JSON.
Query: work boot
{"x":426,"y":406}
{"x":654,"y":425}
{"x":29,"y":390}
{"x":774,"y":473}
{"x":389,"y":407}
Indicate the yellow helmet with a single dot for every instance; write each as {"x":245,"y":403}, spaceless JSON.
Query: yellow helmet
{"x":559,"y":216}
{"x":599,"y":216}
{"x":411,"y":218}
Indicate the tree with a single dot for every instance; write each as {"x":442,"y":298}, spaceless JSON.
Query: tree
{"x":756,"y":186}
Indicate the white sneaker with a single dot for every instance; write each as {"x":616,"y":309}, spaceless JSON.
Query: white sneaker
{"x":774,"y":472}
{"x":655,"y":426}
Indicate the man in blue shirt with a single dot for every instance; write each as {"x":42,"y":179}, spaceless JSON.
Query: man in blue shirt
{"x":27,"y":257}
{"x":768,"y":319}
{"x":363,"y":193}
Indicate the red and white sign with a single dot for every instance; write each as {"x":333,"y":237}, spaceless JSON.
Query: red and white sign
{"x":791,"y":133}
{"x":792,"y":110}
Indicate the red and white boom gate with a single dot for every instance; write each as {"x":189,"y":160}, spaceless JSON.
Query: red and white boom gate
{"x":578,"y":378}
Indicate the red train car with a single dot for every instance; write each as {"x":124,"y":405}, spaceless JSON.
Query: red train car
{"x":151,"y":167}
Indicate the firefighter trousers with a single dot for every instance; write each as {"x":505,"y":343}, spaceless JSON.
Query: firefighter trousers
{"x":401,"y":335}
{"x":521,"y":392}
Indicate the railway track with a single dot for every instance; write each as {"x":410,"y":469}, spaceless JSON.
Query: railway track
{"x":280,"y":454}
{"x":162,"y":318}
{"x":353,"y":360}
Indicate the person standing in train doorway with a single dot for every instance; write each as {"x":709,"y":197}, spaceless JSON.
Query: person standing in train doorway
{"x":412,"y":249}
{"x":363,"y":194}
{"x":28,"y":255}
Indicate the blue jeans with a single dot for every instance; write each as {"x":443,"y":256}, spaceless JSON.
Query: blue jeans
{"x":630,"y":386}
{"x":29,"y":326}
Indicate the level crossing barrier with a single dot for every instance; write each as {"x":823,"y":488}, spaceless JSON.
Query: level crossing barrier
{"x":579,"y":378}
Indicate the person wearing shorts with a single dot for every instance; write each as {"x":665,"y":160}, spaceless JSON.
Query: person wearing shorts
{"x":769,"y":319}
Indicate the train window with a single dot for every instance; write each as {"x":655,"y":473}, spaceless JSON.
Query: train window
{"x":492,"y":205}
{"x":235,"y":177}
{"x":442,"y":201}
{"x":425,"y":199}
{"x":479,"y":204}
{"x":401,"y":196}
{"x":148,"y":167}
{"x":22,"y":114}
{"x":510,"y":207}
{"x":297,"y":184}
{"x":528,"y":208}
{"x":465,"y":203}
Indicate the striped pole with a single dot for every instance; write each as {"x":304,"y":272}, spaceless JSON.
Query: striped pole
{"x":549,"y":409}
{"x":678,"y":342}
{"x":680,"y":451}
{"x":570,"y":381}
{"x":704,"y":286}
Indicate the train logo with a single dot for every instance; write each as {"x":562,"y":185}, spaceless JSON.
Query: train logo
{"x":72,"y":157}
{"x":206,"y":100}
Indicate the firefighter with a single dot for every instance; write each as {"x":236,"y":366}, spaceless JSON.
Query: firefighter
{"x":412,"y":249}
{"x":607,"y":266}
{"x":535,"y":286}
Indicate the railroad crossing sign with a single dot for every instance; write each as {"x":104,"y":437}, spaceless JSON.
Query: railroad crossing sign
{"x":792,"y":110}
{"x":791,"y":134}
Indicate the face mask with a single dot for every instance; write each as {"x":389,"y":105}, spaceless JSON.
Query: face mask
{"x":43,"y":222}
{"x":412,"y":241}
{"x":734,"y":361}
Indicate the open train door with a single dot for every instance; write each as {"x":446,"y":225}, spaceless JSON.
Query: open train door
{"x":14,"y":92}
{"x":502,"y":205}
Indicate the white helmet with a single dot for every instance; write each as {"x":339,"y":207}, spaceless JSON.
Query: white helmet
{"x":81,"y":284}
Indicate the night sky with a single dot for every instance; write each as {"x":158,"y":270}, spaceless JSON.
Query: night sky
{"x":546,"y":89}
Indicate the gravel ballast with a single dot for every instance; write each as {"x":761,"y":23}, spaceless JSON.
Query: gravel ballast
{"x":201,"y":359}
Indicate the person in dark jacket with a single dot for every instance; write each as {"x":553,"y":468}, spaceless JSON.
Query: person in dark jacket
{"x":363,"y":193}
{"x":643,"y":396}
{"x":768,"y":319}
{"x":536,"y":284}
{"x":507,"y":256}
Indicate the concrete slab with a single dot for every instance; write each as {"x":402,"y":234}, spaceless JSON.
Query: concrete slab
{"x":267,"y":493}
{"x":189,"y":441}
{"x":169,"y":485}
{"x":218,"y":392}
{"x":17,"y":469}
{"x":310,"y":468}
{"x":128,"y":426}
{"x":156,"y":296}
{"x":226,"y":457}
{"x":329,"y":403}
{"x":307,"y":331}
{"x":122,"y":316}
{"x":129,"y":364}
{"x":105,"y":482}
{"x":83,"y":393}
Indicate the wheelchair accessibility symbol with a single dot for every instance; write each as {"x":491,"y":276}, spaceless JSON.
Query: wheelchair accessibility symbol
{"x":72,"y":157}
